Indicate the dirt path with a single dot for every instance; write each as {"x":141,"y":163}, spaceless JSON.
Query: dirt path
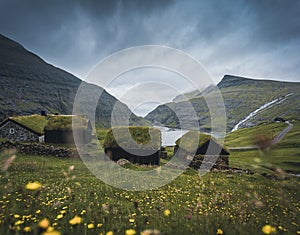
{"x":279,"y":137}
{"x":276,"y":140}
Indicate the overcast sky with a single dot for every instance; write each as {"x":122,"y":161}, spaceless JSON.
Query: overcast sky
{"x":251,"y":38}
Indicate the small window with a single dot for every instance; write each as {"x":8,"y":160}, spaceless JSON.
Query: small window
{"x":11,"y":131}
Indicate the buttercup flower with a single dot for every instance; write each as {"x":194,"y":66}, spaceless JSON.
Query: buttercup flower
{"x":33,"y":186}
{"x":130,"y":232}
{"x":44,"y":223}
{"x":75,"y":220}
{"x":167,"y":212}
{"x":27,"y":229}
{"x":51,"y":233}
{"x":268,"y":229}
{"x":91,"y":226}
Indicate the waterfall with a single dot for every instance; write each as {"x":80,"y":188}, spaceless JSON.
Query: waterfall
{"x":266,"y":105}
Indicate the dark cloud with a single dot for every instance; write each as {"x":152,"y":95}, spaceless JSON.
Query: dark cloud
{"x":257,"y":38}
{"x":277,"y":21}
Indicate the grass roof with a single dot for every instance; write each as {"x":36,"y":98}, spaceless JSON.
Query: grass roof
{"x":33,"y":122}
{"x":64,"y":122}
{"x":192,"y":140}
{"x":141,"y":135}
{"x":39,"y":123}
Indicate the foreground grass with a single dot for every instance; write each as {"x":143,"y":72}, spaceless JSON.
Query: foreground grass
{"x":234,"y":203}
{"x":283,"y":156}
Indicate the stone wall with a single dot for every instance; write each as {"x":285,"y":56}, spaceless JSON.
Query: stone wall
{"x":217,"y":162}
{"x":14,"y":132}
{"x":39,"y":149}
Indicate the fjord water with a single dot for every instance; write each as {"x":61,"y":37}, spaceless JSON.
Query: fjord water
{"x":170,"y":135}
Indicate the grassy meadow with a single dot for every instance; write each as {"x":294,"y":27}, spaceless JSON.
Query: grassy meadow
{"x":284,"y":156}
{"x":52,"y":196}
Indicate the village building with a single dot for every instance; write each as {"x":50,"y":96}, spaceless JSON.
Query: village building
{"x":139,"y":145}
{"x":23,"y":128}
{"x":45,"y":128}
{"x":194,"y":146}
{"x":60,"y":129}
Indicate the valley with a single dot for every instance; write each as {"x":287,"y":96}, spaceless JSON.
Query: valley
{"x":52,"y":191}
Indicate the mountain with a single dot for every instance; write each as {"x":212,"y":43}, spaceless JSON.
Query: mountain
{"x":30,"y":85}
{"x":241,"y":97}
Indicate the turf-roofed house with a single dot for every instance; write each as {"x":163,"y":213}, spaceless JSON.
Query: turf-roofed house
{"x":194,"y":146}
{"x":45,"y":128}
{"x":137,"y":144}
{"x":59,"y":129}
{"x":23,"y":128}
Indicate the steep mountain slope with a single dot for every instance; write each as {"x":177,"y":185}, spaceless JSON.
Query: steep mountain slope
{"x":241,"y":97}
{"x":29,"y":85}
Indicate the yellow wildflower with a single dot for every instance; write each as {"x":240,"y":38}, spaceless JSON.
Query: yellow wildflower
{"x":268,"y":229}
{"x":54,"y":232}
{"x":16,"y":216}
{"x":219,"y":231}
{"x":27,"y":229}
{"x":50,"y":229}
{"x":167,"y":212}
{"x":99,"y":225}
{"x":75,"y":220}
{"x":33,"y":186}
{"x":109,"y":233}
{"x":44,"y":223}
{"x":38,"y":211}
{"x":19,"y":222}
{"x":131,"y":220}
{"x":91,"y":226}
{"x":130,"y":232}
{"x":59,"y":216}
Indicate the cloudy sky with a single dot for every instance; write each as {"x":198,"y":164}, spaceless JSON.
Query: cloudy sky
{"x":252,"y":38}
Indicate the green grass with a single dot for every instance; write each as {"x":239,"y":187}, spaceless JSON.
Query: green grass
{"x":237,"y":204}
{"x":101,"y":133}
{"x":61,"y":122}
{"x":247,"y":136}
{"x":283,"y":156}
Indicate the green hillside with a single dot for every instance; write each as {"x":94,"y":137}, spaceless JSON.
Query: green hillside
{"x":241,"y":97}
{"x":248,"y":136}
{"x":281,"y":157}
{"x":30,"y":85}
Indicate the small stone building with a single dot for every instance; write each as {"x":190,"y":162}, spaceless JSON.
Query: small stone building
{"x":194,"y":146}
{"x":23,"y":128}
{"x":139,"y":145}
{"x":46,"y":128}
